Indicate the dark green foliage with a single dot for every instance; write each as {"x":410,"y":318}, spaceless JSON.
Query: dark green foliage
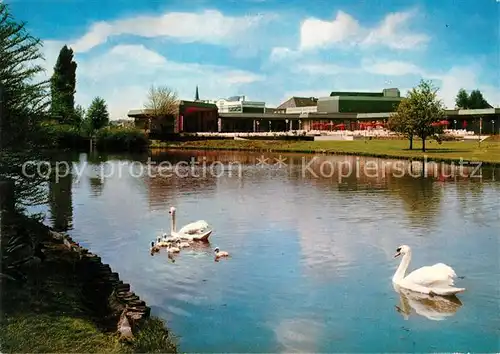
{"x":97,"y":115}
{"x":24,"y":101}
{"x":117,"y":138}
{"x":474,"y":100}
{"x":63,"y":84}
{"x":23,"y":107}
{"x":462,"y":99}
{"x":63,"y":136}
{"x":477,"y":101}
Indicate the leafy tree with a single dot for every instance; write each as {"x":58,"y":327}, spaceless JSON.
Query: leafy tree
{"x":400,"y":121}
{"x":97,"y":115}
{"x":161,"y":101}
{"x":427,"y":109}
{"x":417,"y":113}
{"x":79,"y":114}
{"x":462,"y":99}
{"x":63,"y":83}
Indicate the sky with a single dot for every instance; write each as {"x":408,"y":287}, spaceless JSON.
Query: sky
{"x":268,"y":50}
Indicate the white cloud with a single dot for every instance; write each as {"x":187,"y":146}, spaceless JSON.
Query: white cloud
{"x":324,"y":69}
{"x":391,"y":68}
{"x":345,"y":30}
{"x":281,"y":53}
{"x":393,"y":33}
{"x":208,"y":26}
{"x":318,"y":33}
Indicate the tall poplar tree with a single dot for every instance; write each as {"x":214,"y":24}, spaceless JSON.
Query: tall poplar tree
{"x":63,"y":88}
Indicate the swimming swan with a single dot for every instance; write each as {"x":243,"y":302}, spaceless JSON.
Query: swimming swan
{"x":432,"y":280}
{"x":195,"y":231}
{"x":220,"y":254}
{"x":435,"y":308}
{"x":183,"y":244}
{"x":154,"y":248}
{"x":172,"y":249}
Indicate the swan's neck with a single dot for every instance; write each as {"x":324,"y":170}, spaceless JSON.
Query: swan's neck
{"x":172,"y":224}
{"x":400,"y":272}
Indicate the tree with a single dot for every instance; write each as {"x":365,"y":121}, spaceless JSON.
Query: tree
{"x":462,"y":99}
{"x":474,"y":100}
{"x":426,"y":110}
{"x":161,"y":101}
{"x":24,"y":103}
{"x":417,"y":113}
{"x":97,"y":115}
{"x":477,"y":101}
{"x":63,"y":83}
{"x":79,"y":114}
{"x":23,"y":100}
{"x":400,"y":121}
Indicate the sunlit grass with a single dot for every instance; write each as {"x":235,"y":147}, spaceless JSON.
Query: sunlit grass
{"x":488,"y":151}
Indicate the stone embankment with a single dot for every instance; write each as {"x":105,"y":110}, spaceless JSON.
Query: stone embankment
{"x":103,"y":291}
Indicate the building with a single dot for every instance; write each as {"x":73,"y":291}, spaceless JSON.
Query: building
{"x":299,"y":105}
{"x":239,"y":104}
{"x":360,"y":102}
{"x":348,"y":110}
{"x":189,"y":117}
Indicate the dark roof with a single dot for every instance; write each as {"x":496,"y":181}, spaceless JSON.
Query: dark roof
{"x":361,"y":94}
{"x":305,"y":101}
{"x":299,"y":102}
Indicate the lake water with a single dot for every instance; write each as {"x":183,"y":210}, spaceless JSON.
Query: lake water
{"x":311,"y":254}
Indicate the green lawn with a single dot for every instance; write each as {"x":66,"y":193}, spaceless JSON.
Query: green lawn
{"x":488,"y":152}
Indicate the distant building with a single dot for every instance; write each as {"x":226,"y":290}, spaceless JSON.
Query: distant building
{"x":239,"y":104}
{"x":360,"y":102}
{"x":190,"y":117}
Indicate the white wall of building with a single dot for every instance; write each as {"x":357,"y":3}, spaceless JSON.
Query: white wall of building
{"x":232,"y":105}
{"x":307,"y":109}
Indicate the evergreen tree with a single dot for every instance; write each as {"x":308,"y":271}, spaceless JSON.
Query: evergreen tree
{"x":63,"y":83}
{"x":97,"y":114}
{"x":24,"y":104}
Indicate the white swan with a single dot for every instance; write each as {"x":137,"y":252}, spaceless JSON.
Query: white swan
{"x":432,"y":280}
{"x":435,"y":308}
{"x":195,"y":231}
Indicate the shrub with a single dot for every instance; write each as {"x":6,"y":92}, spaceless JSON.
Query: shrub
{"x":62,"y":136}
{"x":121,"y":138}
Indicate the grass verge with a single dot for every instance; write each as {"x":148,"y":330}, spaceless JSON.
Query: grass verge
{"x":487,"y":152}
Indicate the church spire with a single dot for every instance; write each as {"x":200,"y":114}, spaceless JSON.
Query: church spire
{"x":197,"y":95}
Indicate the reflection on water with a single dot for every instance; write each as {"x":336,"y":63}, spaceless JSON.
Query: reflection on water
{"x":435,"y":308}
{"x":311,"y":244}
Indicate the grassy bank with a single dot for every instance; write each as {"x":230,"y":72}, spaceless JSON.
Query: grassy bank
{"x":488,"y":152}
{"x":47,"y":312}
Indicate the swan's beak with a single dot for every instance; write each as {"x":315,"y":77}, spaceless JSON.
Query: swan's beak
{"x":397,"y":254}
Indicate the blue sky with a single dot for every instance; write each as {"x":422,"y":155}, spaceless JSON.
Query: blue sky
{"x":268,"y":50}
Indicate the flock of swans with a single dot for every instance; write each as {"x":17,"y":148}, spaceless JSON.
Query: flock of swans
{"x":198,"y":231}
{"x":429,"y":290}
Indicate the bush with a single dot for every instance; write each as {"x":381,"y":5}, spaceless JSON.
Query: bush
{"x":62,"y":136}
{"x":121,"y":139}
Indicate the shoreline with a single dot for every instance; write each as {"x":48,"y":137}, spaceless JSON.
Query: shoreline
{"x":71,"y":294}
{"x":425,"y":158}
